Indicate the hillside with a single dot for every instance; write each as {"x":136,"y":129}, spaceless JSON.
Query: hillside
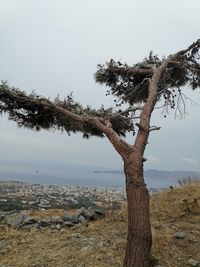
{"x":175,"y":216}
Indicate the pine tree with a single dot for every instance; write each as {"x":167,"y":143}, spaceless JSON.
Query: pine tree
{"x":137,"y":90}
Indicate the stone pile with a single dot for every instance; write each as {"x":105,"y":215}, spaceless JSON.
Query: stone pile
{"x":25,"y":221}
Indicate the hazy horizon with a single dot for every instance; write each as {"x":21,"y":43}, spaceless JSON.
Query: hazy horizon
{"x":58,"y":173}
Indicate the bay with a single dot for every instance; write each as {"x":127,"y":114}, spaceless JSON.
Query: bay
{"x":83,"y":177}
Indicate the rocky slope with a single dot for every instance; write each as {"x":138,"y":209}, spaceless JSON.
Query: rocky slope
{"x":175,"y":217}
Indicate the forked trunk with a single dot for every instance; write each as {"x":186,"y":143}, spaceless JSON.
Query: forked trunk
{"x":139,"y":240}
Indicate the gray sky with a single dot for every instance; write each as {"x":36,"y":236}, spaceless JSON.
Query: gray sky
{"x":53,"y":47}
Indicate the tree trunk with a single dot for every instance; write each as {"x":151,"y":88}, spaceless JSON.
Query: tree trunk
{"x":139,"y":240}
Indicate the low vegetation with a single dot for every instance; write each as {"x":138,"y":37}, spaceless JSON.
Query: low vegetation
{"x":175,"y":218}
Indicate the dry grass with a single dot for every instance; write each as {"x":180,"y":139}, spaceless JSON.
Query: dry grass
{"x":177,"y":210}
{"x":98,"y":244}
{"x":102,"y":243}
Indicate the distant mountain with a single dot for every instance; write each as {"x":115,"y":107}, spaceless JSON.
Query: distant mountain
{"x":171,"y":174}
{"x":152,"y":173}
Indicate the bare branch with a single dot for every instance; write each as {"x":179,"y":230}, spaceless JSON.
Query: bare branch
{"x":154,"y":128}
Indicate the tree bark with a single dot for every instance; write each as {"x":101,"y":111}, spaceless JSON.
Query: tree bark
{"x":139,"y":239}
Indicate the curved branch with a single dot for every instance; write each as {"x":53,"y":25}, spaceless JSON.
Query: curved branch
{"x":103,"y":125}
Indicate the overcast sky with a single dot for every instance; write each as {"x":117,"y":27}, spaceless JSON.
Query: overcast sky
{"x":53,"y":47}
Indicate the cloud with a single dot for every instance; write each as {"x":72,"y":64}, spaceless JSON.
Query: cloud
{"x":153,"y":160}
{"x":190,"y":160}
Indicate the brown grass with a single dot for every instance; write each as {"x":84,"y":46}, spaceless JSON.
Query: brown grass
{"x":102,"y":243}
{"x":177,"y":210}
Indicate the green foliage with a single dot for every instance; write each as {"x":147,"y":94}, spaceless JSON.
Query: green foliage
{"x":12,"y":204}
{"x":130,"y":83}
{"x":35,"y":112}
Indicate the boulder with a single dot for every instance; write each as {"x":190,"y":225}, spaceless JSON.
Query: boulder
{"x":45,"y":222}
{"x":89,"y":214}
{"x":31,"y":226}
{"x":57,"y":219}
{"x":15,"y":220}
{"x":20,"y":220}
{"x":193,"y":263}
{"x":82,"y":219}
{"x":29,"y":220}
{"x":68,"y":218}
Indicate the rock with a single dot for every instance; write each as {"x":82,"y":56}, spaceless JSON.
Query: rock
{"x":15,"y":220}
{"x":45,"y":222}
{"x":89,"y":214}
{"x":68,"y":224}
{"x":99,"y":212}
{"x":80,"y":210}
{"x":82,"y":219}
{"x":21,"y":220}
{"x":35,"y":226}
{"x":57,"y":219}
{"x":179,"y":235}
{"x":62,"y":230}
{"x":25,"y":221}
{"x":58,"y":226}
{"x":31,"y":226}
{"x":29,"y":220}
{"x":193,"y":263}
{"x":68,"y":218}
{"x":53,"y":226}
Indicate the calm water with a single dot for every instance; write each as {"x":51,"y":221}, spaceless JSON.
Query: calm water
{"x":81,"y":177}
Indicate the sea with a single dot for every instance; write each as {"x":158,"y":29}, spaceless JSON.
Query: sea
{"x":85,"y":177}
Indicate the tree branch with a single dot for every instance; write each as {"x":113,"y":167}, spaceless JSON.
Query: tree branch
{"x":184,"y":51}
{"x":131,"y":109}
{"x":141,"y":70}
{"x":154,"y":128}
{"x":103,"y":125}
